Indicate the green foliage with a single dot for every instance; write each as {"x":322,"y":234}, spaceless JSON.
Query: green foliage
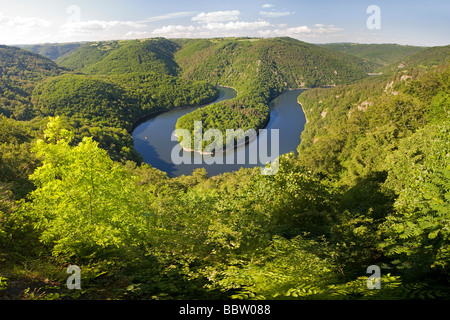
{"x":427,"y":58}
{"x":420,"y":175}
{"x":117,"y":57}
{"x":352,"y":128}
{"x":259,"y":71}
{"x":391,"y":288}
{"x":32,"y":86}
{"x":357,"y":289}
{"x":20,"y":70}
{"x":153,"y":91}
{"x":79,"y":95}
{"x":85,"y":204}
{"x":106,"y":107}
{"x":6,"y":207}
{"x":370,"y":184}
{"x":118,"y":100}
{"x":15,"y":160}
{"x":298,"y":201}
{"x":233,"y":62}
{"x":286,"y":269}
{"x":52,"y":51}
{"x":3,"y":283}
{"x":378,"y":55}
{"x":354,"y":232}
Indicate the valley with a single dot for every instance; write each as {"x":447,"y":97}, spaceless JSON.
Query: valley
{"x":86,"y":177}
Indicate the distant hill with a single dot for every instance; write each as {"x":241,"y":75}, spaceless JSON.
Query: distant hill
{"x":20,"y":71}
{"x":52,"y":51}
{"x":116,"y":57}
{"x":294,"y":63}
{"x":116,"y":100}
{"x":18,"y":63}
{"x":425,"y":58}
{"x":259,"y":69}
{"x":84,"y":96}
{"x":297,"y":63}
{"x":377,"y":55}
{"x":378,"y":111}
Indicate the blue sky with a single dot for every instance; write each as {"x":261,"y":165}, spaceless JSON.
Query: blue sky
{"x":413,"y":22}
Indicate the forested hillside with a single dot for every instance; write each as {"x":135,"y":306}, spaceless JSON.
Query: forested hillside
{"x":126,"y":56}
{"x":387,"y":142}
{"x":361,"y":123}
{"x":425,"y":58}
{"x":121,"y":82}
{"x":370,"y":186}
{"x":20,"y":71}
{"x":52,"y":51}
{"x":294,"y":63}
{"x":259,"y":69}
{"x":377,"y":55}
{"x":117,"y":100}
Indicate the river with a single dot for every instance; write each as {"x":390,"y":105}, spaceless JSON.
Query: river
{"x":153,"y":138}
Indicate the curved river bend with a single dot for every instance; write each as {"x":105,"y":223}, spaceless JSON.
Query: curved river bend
{"x":153,"y":138}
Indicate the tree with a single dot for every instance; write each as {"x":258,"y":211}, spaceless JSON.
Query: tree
{"x":417,"y":234}
{"x":85,"y":205}
{"x":286,"y":269}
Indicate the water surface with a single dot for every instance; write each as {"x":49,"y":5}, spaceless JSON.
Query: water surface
{"x":153,"y":138}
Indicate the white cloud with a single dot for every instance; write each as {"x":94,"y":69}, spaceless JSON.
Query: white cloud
{"x":18,"y":29}
{"x":302,"y":31}
{"x":213,"y":29}
{"x":227,"y":23}
{"x":174,"y":28}
{"x":22,"y":23}
{"x":213,"y":24}
{"x":168,"y":29}
{"x":274,"y":14}
{"x":217,"y":16}
{"x":97,"y":30}
{"x":98,"y":25}
{"x":137,"y":34}
{"x":292,"y":32}
{"x":328,"y":29}
{"x":93,"y":30}
{"x":238,"y":25}
{"x":176,"y":31}
{"x":173,"y":15}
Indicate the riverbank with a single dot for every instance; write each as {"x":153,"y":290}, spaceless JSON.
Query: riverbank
{"x":150,"y":115}
{"x":286,"y":116}
{"x":303,"y":109}
{"x":304,"y":112}
{"x":257,"y":130}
